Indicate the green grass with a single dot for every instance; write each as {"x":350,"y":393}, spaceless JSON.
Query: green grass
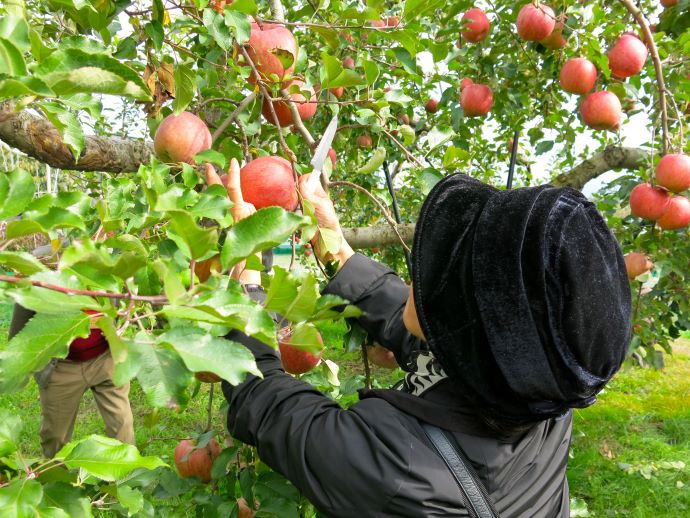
{"x":640,"y":426}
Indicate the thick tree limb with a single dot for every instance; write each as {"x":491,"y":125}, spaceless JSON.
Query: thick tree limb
{"x":612,"y":157}
{"x":39,"y":139}
{"x":383,"y":235}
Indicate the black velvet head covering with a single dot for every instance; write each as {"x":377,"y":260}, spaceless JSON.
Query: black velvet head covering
{"x":522,"y":295}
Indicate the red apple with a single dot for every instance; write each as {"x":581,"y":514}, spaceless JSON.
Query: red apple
{"x":404,"y":119}
{"x":268,"y":181}
{"x":602,"y":111}
{"x":465,"y":83}
{"x":535,"y":23}
{"x":636,"y":264}
{"x":296,"y":360}
{"x":203,"y":269}
{"x":380,"y":25}
{"x":199,"y":460}
{"x":180,"y":137}
{"x":305,"y":109}
{"x":243,"y":509}
{"x":207,"y":377}
{"x":265,"y":44}
{"x":578,"y":76}
{"x":392,"y":21}
{"x":476,"y":100}
{"x":476,"y":25}
{"x":555,"y":40}
{"x":677,"y":214}
{"x":649,"y":202}
{"x":669,"y":3}
{"x":379,"y":355}
{"x":431,"y":106}
{"x":333,"y":156}
{"x":673,"y":172}
{"x":364,"y":141}
{"x":627,"y":57}
{"x":348,"y":62}
{"x":338,"y":92}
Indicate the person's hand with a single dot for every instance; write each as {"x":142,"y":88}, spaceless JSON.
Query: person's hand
{"x":326,"y":218}
{"x":240,"y":210}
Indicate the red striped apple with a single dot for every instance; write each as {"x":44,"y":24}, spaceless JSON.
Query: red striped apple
{"x":180,"y":137}
{"x":673,"y":172}
{"x":627,"y":57}
{"x":268,"y":181}
{"x":535,"y":23}
{"x":602,"y":111}
{"x":476,"y":100}
{"x":649,"y":202}
{"x":676,"y":215}
{"x":476,"y":25}
{"x":578,"y":76}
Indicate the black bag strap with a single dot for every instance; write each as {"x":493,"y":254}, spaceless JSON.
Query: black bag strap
{"x":474,"y":496}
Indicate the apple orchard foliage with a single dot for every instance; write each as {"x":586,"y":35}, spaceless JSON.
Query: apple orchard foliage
{"x":363,"y":62}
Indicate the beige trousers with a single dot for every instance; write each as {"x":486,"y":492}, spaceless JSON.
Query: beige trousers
{"x":61,"y":396}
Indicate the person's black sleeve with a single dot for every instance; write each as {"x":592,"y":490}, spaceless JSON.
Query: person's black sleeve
{"x":381,"y":295}
{"x":346,"y":462}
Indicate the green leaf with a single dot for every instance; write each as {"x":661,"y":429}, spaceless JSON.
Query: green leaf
{"x":264,"y":229}
{"x":408,"y":134}
{"x":71,"y":71}
{"x":345,"y":78}
{"x":282,"y":291}
{"x":44,"y":337}
{"x":67,"y":125}
{"x":154,"y":30}
{"x":20,"y":498}
{"x":11,"y":59}
{"x":126,"y":49}
{"x":544,"y":147}
{"x":428,"y":178}
{"x":304,"y":303}
{"x":10,"y":431}
{"x":185,"y":87}
{"x":51,"y":302}
{"x":243,"y":6}
{"x":16,"y":191}
{"x":330,"y":240}
{"x":417,"y":8}
{"x":371,"y":71}
{"x":130,"y":499}
{"x":105,"y":458}
{"x":306,"y":337}
{"x":331,"y":67}
{"x":56,"y":218}
{"x":215,"y":24}
{"x":25,"y":264}
{"x":65,"y":496}
{"x":202,"y":352}
{"x":195,"y":241}
{"x":374,"y":162}
{"x":162,"y":374}
{"x":213,"y":156}
{"x":239,"y":24}
{"x":15,"y":29}
{"x":405,"y":59}
{"x":172,"y":286}
{"x":18,"y":86}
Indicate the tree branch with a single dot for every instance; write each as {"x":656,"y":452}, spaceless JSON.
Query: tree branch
{"x":612,"y":157}
{"x":380,"y":235}
{"x":39,"y":139}
{"x":236,"y":112}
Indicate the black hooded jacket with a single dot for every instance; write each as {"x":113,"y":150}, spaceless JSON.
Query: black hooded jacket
{"x":374,"y":459}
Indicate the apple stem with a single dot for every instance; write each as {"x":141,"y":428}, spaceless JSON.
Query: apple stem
{"x":367,"y":369}
{"x":209,"y":408}
{"x":639,"y":18}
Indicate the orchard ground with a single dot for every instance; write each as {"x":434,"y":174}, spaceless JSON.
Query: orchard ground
{"x":630,"y":453}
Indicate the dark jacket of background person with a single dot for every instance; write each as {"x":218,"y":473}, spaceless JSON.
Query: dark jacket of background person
{"x":374,"y":459}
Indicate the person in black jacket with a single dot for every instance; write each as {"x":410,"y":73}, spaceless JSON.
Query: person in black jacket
{"x":519,"y":311}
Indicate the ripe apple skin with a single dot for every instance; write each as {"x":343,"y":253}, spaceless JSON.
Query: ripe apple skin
{"x":392,"y":21}
{"x":180,"y":137}
{"x":338,"y":92}
{"x":333,"y":156}
{"x":207,"y":377}
{"x":476,"y":100}
{"x":295,"y":360}
{"x":268,"y":181}
{"x":602,"y":111}
{"x":305,"y":109}
{"x":669,"y":3}
{"x":476,"y":25}
{"x":364,"y":141}
{"x":465,"y":83}
{"x":578,"y":76}
{"x":636,"y":264}
{"x":348,"y":62}
{"x":677,"y":214}
{"x":627,"y":57}
{"x":203,"y":269}
{"x":243,"y":509}
{"x":262,"y":41}
{"x":673,"y":172}
{"x":649,"y":202}
{"x":431,"y":106}
{"x":555,"y":40}
{"x":535,"y":23}
{"x":200,"y":460}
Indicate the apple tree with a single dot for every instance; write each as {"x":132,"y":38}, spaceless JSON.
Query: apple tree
{"x":130,"y":100}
